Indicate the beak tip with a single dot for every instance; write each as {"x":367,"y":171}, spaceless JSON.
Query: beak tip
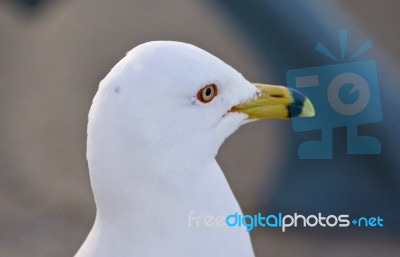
{"x":308,"y":109}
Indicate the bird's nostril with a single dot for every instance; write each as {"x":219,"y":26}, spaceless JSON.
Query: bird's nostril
{"x":277,"y":95}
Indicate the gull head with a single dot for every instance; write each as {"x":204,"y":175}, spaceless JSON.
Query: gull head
{"x":175,"y":96}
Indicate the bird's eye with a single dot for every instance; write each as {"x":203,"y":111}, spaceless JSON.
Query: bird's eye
{"x":207,"y":93}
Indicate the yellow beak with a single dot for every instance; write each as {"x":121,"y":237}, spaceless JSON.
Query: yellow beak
{"x":276,"y":102}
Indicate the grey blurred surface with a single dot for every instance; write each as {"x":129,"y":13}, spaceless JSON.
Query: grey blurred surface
{"x":51,"y":64}
{"x":284,"y":34}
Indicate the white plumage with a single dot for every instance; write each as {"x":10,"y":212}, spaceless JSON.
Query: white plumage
{"x":151,"y":150}
{"x":153,"y":134}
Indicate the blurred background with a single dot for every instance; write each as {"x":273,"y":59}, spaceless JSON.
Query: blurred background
{"x":53,"y":53}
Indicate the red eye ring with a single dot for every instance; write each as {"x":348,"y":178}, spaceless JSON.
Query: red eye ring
{"x":207,"y":93}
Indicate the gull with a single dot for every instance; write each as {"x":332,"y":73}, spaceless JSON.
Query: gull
{"x":155,"y":126}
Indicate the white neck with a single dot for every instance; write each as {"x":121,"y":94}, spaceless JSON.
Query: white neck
{"x":144,"y":198}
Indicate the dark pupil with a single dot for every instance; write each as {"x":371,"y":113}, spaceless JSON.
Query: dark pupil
{"x":208,"y":91}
